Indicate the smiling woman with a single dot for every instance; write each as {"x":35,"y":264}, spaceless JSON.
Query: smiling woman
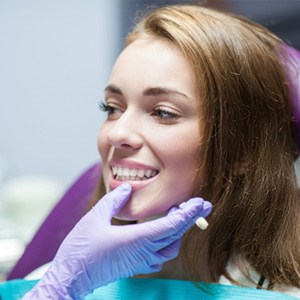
{"x":199,"y":105}
{"x":200,"y":97}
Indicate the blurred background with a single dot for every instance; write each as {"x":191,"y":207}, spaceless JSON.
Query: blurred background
{"x":55,"y":60}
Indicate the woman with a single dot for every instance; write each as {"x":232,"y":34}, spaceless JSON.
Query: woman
{"x":232,"y":82}
{"x":198,"y":105}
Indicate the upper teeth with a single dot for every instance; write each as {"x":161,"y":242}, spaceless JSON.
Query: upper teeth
{"x":132,"y":174}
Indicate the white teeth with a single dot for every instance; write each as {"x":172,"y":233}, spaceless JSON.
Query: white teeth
{"x":124,"y":174}
{"x":133,"y":172}
{"x":119,"y":171}
{"x":114,"y":170}
{"x":141,"y":173}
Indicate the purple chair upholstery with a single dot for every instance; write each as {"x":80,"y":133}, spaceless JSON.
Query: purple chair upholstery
{"x":67,"y":212}
{"x":292,"y":66}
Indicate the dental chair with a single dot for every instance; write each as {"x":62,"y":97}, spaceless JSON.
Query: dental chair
{"x":67,"y":212}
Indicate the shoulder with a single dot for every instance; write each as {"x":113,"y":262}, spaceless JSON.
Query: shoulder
{"x":242,"y":274}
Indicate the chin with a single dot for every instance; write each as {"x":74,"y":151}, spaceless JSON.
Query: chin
{"x":127,"y":213}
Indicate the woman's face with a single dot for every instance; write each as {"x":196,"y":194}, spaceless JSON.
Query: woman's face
{"x":151,"y":136}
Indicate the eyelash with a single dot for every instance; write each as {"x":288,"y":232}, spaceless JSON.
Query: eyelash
{"x":158,"y":112}
{"x":107,"y":108}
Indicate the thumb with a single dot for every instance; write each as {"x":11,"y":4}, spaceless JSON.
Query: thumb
{"x":113,"y":201}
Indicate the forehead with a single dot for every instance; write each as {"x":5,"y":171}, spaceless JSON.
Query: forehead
{"x":154,"y":62}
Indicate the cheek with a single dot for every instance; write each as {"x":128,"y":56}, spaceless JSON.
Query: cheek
{"x":181,"y":151}
{"x":181,"y":162}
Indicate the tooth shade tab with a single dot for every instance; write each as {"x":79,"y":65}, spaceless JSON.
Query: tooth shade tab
{"x":202,"y":223}
{"x":122,"y":173}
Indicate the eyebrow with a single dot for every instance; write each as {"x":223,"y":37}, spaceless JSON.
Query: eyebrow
{"x":156,"y":91}
{"x":113,"y":89}
{"x":151,"y":91}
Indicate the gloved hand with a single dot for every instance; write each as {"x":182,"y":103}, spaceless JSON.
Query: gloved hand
{"x":96,"y":253}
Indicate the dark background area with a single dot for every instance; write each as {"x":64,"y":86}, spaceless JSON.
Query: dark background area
{"x":281,"y":17}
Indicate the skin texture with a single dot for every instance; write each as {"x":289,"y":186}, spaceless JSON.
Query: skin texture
{"x":144,"y":124}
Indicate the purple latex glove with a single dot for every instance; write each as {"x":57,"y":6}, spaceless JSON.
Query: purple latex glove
{"x":96,"y":253}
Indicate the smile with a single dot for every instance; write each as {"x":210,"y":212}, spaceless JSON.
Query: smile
{"x":128,"y":174}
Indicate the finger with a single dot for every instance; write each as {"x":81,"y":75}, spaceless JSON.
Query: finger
{"x":167,"y":253}
{"x":171,"y":251}
{"x":112,"y":202}
{"x":172,"y":209}
{"x":153,"y":269}
{"x":177,"y":221}
{"x":207,"y":208}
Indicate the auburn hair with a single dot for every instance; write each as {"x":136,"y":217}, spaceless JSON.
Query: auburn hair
{"x":249,"y":144}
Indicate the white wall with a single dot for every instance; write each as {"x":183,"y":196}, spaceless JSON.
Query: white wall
{"x":55,"y":59}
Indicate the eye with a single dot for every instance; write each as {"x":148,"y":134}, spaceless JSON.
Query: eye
{"x":109,"y":109}
{"x":165,"y":114}
{"x":106,"y":108}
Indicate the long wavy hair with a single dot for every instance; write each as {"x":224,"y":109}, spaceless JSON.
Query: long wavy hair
{"x":249,"y":149}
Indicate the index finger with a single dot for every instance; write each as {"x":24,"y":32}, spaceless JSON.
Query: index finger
{"x":177,"y":221}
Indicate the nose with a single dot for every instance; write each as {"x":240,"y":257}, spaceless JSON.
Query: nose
{"x":125,"y":132}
